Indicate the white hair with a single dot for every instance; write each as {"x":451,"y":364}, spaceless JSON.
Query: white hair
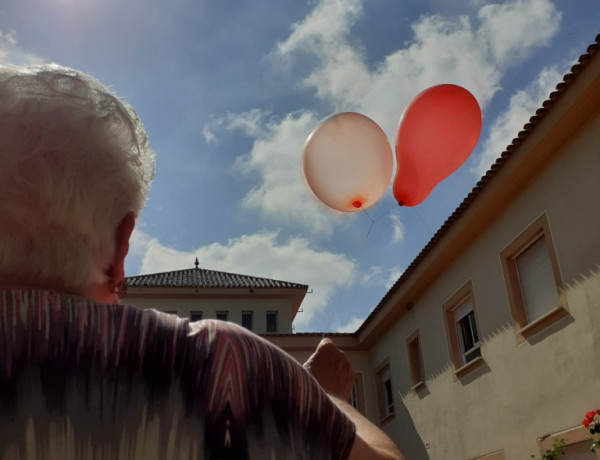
{"x":74,"y":160}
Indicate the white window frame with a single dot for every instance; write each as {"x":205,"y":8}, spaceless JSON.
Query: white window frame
{"x":465,"y":313}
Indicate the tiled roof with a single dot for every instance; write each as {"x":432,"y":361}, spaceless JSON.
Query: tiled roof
{"x":539,"y":114}
{"x":311,"y":334}
{"x":201,"y":278}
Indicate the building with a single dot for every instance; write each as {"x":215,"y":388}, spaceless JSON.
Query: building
{"x":488,"y":343}
{"x":262,"y":305}
{"x":487,"y":346}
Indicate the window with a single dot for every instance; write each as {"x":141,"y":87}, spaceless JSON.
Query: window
{"x":462,"y":330}
{"x":385,"y":393}
{"x":247,"y":317}
{"x":533,"y":281}
{"x":195,"y":316}
{"x":415,"y":361}
{"x":222,"y":315}
{"x":357,"y":397}
{"x":271,"y":321}
{"x":468,"y":337}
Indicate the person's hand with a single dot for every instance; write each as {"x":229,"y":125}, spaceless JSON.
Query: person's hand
{"x":332,"y":370}
{"x":330,"y":367}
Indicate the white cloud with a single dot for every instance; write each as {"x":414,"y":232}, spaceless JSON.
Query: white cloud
{"x":251,"y":122}
{"x":443,"y":49}
{"x":138,"y":246}
{"x":372,"y":277}
{"x":209,"y":135}
{"x":397,"y":229}
{"x":379,"y":276}
{"x":522,"y":106}
{"x":473,"y":53}
{"x":275,"y":156}
{"x":511,"y":24}
{"x":11,"y":53}
{"x":263,"y":255}
{"x":8,"y":39}
{"x":351,"y":326}
{"x":393,"y":274}
{"x":8,"y":43}
{"x":323,"y":27}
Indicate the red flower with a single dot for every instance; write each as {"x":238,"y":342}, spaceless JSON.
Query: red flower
{"x":589,"y":417}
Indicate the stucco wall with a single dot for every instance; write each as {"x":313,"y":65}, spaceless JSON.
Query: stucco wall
{"x":360,"y":364}
{"x":183,"y":305}
{"x":524,"y":390}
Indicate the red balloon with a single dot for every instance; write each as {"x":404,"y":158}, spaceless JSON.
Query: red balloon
{"x":436,"y":134}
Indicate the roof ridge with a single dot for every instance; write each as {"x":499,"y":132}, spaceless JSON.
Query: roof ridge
{"x":208,"y":278}
{"x":160,"y":273}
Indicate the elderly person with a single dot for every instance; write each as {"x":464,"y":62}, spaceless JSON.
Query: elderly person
{"x":83,"y":377}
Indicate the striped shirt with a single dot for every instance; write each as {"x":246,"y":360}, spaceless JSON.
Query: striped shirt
{"x":81,"y":380}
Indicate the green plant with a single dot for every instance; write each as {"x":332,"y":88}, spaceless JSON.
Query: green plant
{"x":554,"y":453}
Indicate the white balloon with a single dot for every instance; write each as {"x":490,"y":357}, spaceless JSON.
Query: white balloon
{"x":347,"y":162}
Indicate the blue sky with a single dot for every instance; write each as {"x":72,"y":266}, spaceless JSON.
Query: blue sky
{"x":229,"y":90}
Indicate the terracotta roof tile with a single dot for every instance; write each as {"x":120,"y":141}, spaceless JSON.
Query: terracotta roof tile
{"x":201,"y":278}
{"x":310,"y":334}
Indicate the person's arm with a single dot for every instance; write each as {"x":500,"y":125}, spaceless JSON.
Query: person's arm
{"x":332,"y":370}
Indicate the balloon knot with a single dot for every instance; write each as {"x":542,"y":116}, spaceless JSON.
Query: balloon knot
{"x":356,"y":204}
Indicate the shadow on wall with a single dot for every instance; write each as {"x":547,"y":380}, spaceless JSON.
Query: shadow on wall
{"x":410,"y":442}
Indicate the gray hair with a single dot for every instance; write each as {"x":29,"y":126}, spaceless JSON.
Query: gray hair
{"x":74,"y":159}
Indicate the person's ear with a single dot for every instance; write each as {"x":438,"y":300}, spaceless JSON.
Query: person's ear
{"x":122,"y":235}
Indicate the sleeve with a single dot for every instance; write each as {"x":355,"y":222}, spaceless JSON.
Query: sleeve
{"x":258,"y":399}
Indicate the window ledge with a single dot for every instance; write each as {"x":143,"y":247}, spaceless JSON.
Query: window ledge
{"x":542,"y":323}
{"x":418,"y":386}
{"x":470,"y":366}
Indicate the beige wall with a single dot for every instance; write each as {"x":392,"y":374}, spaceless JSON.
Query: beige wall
{"x":183,"y":304}
{"x":524,"y":390}
{"x":301,"y":346}
{"x":360,"y":364}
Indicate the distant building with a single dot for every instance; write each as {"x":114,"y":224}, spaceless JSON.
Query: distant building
{"x":488,"y":346}
{"x":262,"y":305}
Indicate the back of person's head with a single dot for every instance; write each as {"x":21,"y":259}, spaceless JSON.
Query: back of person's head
{"x":74,"y":160}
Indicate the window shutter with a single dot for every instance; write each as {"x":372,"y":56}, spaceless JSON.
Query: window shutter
{"x":538,"y":286}
{"x":463,"y":310}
